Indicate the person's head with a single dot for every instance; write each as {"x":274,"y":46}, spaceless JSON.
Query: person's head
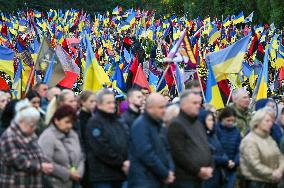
{"x":227,"y":117}
{"x":207,"y":118}
{"x":194,"y":86}
{"x":67,"y":97}
{"x":106,"y":101}
{"x":88,"y":100}
{"x":241,"y":98}
{"x":211,"y":108}
{"x":34,"y":98}
{"x":190,"y":103}
{"x":8,"y":113}
{"x":171,"y":112}
{"x":135,"y":99}
{"x":26,"y":117}
{"x":41,"y":89}
{"x":53,"y":92}
{"x":64,"y":118}
{"x":156,"y":106}
{"x":3,"y":100}
{"x":262,"y":121}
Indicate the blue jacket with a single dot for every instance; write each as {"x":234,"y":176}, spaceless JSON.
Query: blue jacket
{"x":276,"y":133}
{"x":230,"y":139}
{"x":149,"y":153}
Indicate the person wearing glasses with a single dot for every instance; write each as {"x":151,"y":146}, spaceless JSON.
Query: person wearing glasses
{"x":22,"y":162}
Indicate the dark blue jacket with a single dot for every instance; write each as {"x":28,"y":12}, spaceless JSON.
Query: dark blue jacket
{"x":276,"y":133}
{"x":230,"y":139}
{"x":149,"y":153}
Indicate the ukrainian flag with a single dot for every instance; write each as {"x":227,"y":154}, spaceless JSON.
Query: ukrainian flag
{"x":213,"y":95}
{"x":228,"y":60}
{"x":226,"y":22}
{"x":239,"y":18}
{"x":261,"y":86}
{"x":214,"y":35}
{"x":7,"y":60}
{"x":115,"y":10}
{"x":131,"y":18}
{"x":94,"y":76}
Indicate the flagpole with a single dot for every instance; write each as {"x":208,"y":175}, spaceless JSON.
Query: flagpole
{"x":164,"y":74}
{"x":175,"y":82}
{"x":199,"y":80}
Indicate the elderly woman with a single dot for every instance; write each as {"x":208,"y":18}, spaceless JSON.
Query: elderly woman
{"x":22,"y":163}
{"x":261,"y":162}
{"x":62,"y":146}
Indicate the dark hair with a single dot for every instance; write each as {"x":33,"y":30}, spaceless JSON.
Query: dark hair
{"x":8,"y":113}
{"x":282,"y":111}
{"x":226,"y":112}
{"x":64,"y":111}
{"x":32,"y":94}
{"x":38,"y":85}
{"x":192,"y":84}
{"x":131,"y":91}
{"x":85,"y":95}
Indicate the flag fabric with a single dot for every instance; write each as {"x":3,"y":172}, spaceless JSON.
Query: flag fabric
{"x":249,"y":18}
{"x":46,"y":56}
{"x":119,"y":79}
{"x":228,"y":60}
{"x":132,"y":73}
{"x":163,"y":84}
{"x":140,"y":80}
{"x":214,"y":35}
{"x":247,"y":69}
{"x":153,"y":80}
{"x":7,"y":60}
{"x":131,"y":18}
{"x":70,"y":68}
{"x":239,"y":18}
{"x":213,"y":95}
{"x":262,"y":81}
{"x":179,"y":79}
{"x":94,"y":77}
{"x":226,"y":22}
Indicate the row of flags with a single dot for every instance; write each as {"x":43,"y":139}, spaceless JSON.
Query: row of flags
{"x":60,"y":47}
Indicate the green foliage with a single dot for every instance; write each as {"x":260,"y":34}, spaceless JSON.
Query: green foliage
{"x":265,"y":11}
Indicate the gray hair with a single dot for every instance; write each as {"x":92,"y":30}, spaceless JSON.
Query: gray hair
{"x":101,"y":93}
{"x":257,"y":118}
{"x":237,"y":92}
{"x":25,"y":112}
{"x":185,"y":94}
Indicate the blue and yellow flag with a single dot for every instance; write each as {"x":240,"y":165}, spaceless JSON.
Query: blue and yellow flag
{"x":214,"y":35}
{"x":94,"y":76}
{"x":213,"y":95}
{"x":228,"y":60}
{"x":260,"y":91}
{"x":7,"y":60}
{"x":239,"y":18}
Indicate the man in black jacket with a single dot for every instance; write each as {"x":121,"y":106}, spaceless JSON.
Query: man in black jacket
{"x":151,"y":163}
{"x":107,"y":144}
{"x":135,"y":99}
{"x":189,"y":144}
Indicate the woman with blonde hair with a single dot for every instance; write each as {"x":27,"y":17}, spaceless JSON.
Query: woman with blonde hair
{"x":67,"y":97}
{"x":261,"y":161}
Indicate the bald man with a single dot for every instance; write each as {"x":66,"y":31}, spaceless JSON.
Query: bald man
{"x":151,"y":163}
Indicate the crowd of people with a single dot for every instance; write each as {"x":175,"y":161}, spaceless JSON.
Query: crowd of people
{"x":53,"y":138}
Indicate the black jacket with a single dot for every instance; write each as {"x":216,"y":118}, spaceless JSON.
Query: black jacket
{"x":107,"y":145}
{"x":83,"y":119}
{"x":149,"y":153}
{"x":129,"y":117}
{"x":189,"y":146}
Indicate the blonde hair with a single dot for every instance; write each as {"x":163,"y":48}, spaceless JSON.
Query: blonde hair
{"x":85,"y":95}
{"x":171,"y":112}
{"x":25,"y":112}
{"x":258,"y":117}
{"x":55,"y":103}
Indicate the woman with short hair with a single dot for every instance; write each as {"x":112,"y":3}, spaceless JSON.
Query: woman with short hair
{"x":261,"y":161}
{"x":61,"y":145}
{"x":22,"y":162}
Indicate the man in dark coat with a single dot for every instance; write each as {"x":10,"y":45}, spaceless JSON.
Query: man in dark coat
{"x":151,"y":163}
{"x":107,"y":144}
{"x":135,"y":101}
{"x":189,"y":145}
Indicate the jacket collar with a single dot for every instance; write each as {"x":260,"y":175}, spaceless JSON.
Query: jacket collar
{"x":155,"y":121}
{"x":187,"y":117}
{"x":27,"y":139}
{"x":260,"y":133}
{"x":57,"y":133}
{"x":130,"y":110}
{"x":105,"y":114}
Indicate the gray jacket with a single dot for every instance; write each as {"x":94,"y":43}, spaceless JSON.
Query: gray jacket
{"x":64,"y":151}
